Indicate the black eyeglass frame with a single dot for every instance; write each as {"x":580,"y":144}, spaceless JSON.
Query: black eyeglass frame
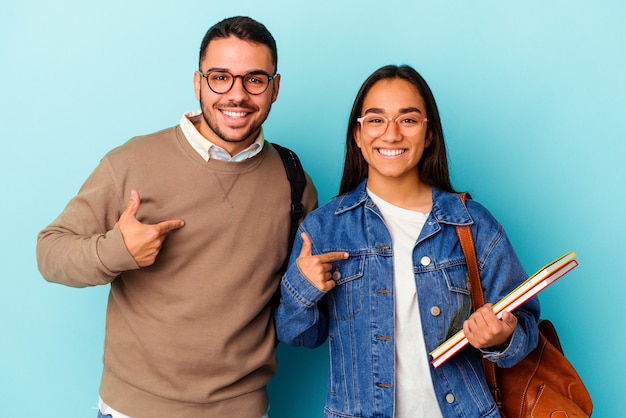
{"x":242,"y":76}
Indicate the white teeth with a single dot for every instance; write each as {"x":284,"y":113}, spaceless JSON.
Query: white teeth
{"x":235,"y":114}
{"x":390,"y":152}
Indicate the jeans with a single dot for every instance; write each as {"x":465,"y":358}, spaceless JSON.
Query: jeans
{"x":102,"y":404}
{"x":100,"y":415}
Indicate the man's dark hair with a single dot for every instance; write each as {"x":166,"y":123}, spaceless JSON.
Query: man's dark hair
{"x":244,"y":28}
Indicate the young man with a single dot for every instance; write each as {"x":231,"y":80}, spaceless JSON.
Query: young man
{"x":189,"y":329}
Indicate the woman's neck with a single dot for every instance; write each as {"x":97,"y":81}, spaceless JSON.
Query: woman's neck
{"x":407,"y":193}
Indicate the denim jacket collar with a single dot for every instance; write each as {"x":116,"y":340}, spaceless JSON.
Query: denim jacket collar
{"x":447,"y":208}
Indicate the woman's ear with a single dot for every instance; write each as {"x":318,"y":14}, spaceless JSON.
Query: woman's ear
{"x":356,"y":136}
{"x":429,"y":139}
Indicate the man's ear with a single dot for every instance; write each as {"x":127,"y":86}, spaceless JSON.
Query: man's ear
{"x":197,"y":79}
{"x":275,"y":87}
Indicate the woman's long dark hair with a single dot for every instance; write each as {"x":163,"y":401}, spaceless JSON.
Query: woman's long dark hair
{"x":433,"y":166}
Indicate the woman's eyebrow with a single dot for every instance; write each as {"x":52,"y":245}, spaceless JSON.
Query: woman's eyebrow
{"x":374,"y":110}
{"x":403,"y":110}
{"x":411,"y":109}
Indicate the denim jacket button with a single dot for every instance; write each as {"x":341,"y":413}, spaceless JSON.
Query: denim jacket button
{"x":435,"y":311}
{"x":449,"y":398}
{"x":336,"y":275}
{"x":425,"y":261}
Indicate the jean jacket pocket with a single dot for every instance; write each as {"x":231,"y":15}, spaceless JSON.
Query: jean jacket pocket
{"x":345,"y":298}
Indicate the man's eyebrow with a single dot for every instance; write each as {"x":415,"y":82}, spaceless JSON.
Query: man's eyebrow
{"x":226,"y":70}
{"x":217,"y":69}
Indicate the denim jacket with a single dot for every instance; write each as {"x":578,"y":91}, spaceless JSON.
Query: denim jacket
{"x":357,"y":315}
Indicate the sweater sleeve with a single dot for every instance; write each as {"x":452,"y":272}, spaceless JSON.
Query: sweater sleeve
{"x":84,"y":246}
{"x":309,"y":197}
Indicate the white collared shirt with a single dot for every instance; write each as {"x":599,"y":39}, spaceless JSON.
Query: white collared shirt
{"x":209,"y":150}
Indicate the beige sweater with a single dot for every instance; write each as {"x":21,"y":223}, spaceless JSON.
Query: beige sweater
{"x":191,"y":335}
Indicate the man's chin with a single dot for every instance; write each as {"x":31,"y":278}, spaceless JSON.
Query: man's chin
{"x":235,"y":139}
{"x":237,"y":136}
{"x":234,"y":134}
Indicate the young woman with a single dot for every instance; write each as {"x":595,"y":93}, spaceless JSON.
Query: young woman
{"x":378,"y":271}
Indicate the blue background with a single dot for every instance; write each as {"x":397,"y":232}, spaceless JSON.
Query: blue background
{"x":532,"y":97}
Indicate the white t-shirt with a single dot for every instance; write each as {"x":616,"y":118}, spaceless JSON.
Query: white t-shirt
{"x":414,"y":391}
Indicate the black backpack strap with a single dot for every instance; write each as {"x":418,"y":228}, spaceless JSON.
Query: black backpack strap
{"x":297,"y":180}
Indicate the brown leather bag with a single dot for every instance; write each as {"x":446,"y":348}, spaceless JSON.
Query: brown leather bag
{"x":544,"y":383}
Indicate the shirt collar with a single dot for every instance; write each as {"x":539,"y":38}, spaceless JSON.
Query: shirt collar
{"x":209,"y":150}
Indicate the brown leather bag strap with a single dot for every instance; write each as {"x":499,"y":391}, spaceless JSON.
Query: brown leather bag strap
{"x":469,"y":250}
{"x":478,"y":299}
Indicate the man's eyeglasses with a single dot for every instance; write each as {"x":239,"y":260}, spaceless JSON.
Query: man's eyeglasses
{"x":221,"y":82}
{"x":408,"y":124}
